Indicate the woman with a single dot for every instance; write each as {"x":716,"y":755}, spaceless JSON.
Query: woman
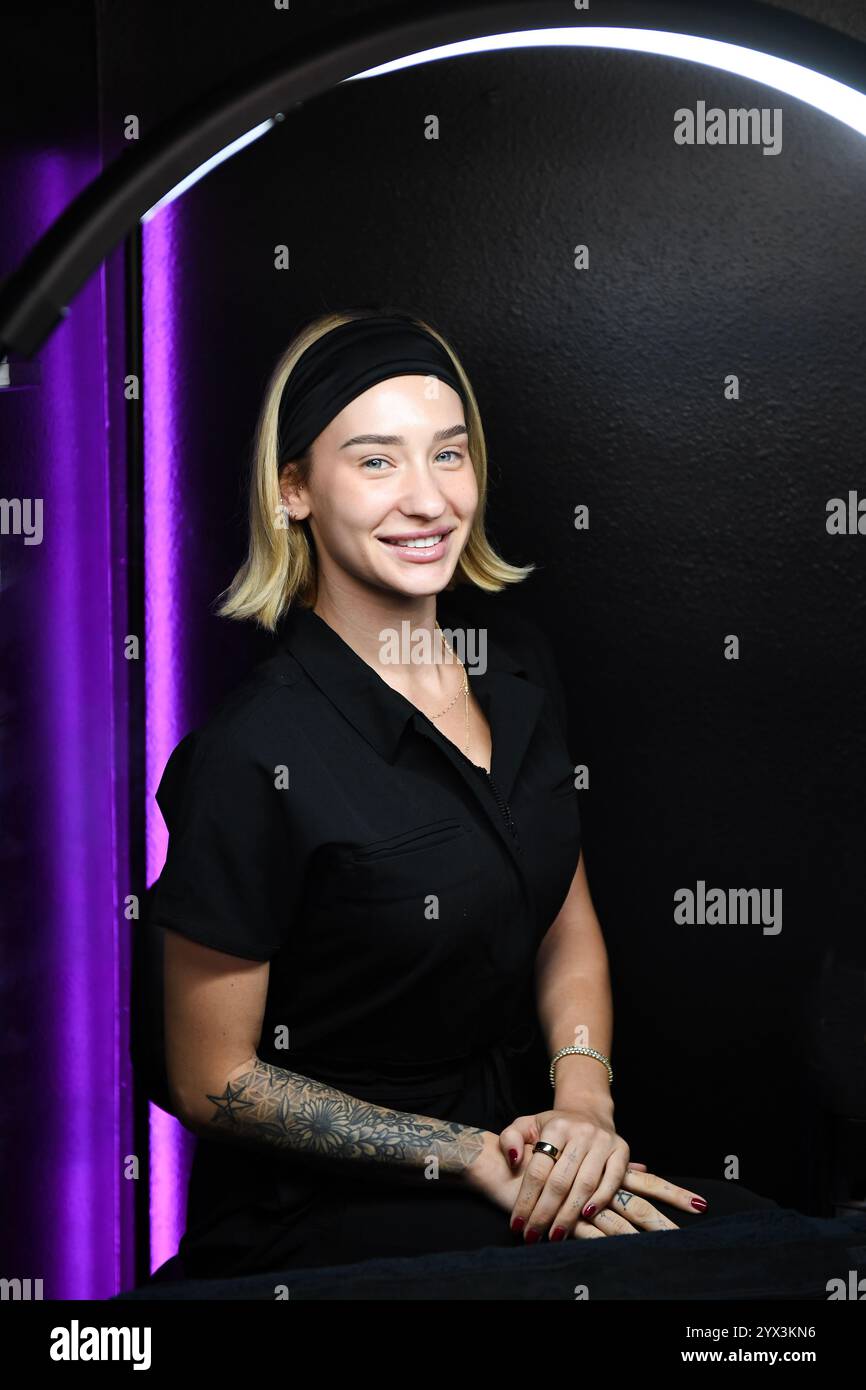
{"x":379,"y":934}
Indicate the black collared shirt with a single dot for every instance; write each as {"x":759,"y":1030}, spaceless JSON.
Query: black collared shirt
{"x":321,"y":822}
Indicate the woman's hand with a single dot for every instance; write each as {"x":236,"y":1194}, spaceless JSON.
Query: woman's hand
{"x":592,"y":1170}
{"x":494,"y":1176}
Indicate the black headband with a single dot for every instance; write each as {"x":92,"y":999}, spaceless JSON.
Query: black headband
{"x":346,"y":361}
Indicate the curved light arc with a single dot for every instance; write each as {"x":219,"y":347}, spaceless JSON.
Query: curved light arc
{"x":837,"y":99}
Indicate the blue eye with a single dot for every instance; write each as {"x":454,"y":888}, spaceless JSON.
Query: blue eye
{"x":455,"y":453}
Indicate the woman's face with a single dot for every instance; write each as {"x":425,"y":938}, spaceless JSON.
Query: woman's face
{"x":391,"y":465}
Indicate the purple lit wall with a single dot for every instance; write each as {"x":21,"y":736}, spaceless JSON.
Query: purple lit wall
{"x":68,"y":1170}
{"x":164,"y":508}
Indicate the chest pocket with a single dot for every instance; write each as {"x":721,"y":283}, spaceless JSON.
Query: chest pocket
{"x":415,"y":890}
{"x":427,"y":893}
{"x":424,"y":837}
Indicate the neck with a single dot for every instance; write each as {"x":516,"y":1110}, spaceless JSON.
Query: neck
{"x":375,"y":627}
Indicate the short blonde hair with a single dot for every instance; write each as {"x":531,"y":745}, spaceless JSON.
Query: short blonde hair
{"x":280,"y":568}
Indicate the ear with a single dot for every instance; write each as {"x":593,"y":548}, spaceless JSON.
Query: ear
{"x":292,"y":493}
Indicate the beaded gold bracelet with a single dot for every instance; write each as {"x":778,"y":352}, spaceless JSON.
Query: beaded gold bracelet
{"x":585,"y":1051}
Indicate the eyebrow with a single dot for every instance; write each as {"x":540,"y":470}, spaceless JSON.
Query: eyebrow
{"x":398,"y":438}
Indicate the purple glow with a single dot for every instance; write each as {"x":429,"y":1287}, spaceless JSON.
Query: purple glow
{"x":170,"y":1145}
{"x":80,"y":1225}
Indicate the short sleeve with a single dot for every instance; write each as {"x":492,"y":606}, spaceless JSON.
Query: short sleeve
{"x":220,"y":884}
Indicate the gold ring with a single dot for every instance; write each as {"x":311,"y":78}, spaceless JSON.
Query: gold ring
{"x":542,"y":1147}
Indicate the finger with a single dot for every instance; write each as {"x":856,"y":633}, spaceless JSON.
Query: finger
{"x":513,"y":1139}
{"x":611,"y":1223}
{"x":584,"y":1230}
{"x":575,"y":1173}
{"x":585,"y":1203}
{"x":535,"y":1177}
{"x":641,"y":1213}
{"x":531,"y":1188}
{"x":651,"y":1185}
{"x":629,"y":1214}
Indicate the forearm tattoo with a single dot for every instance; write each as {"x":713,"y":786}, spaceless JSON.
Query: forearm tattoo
{"x":282,"y":1110}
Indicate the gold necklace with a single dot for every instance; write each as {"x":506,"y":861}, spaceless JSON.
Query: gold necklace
{"x":464,"y":691}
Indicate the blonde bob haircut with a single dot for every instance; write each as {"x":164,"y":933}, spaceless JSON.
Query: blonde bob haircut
{"x":280,"y":568}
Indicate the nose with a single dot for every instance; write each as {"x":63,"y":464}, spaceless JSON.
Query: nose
{"x":422,"y":494}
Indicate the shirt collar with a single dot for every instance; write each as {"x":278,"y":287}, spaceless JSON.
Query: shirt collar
{"x":511,"y":701}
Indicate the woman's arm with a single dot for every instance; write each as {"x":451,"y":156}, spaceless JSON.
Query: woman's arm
{"x":214,"y":1006}
{"x":264,"y":1105}
{"x":574,"y":998}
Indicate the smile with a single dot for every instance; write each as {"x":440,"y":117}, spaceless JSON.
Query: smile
{"x":423,"y":548}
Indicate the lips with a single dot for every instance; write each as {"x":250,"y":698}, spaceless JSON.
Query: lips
{"x":415,"y":542}
{"x":405,"y":536}
{"x":417,"y":549}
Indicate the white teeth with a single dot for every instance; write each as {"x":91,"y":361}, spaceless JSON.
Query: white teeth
{"x":422,"y":543}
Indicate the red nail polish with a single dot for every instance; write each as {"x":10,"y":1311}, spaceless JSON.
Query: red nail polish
{"x":699,"y":1204}
{"x":513,"y":1155}
{"x":531,"y":1236}
{"x":518,"y":1224}
{"x":558,"y":1233}
{"x":589,"y":1209}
